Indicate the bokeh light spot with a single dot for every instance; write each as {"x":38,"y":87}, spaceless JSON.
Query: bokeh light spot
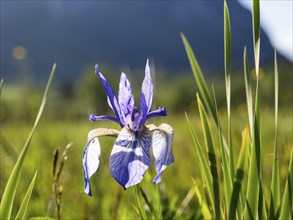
{"x":19,"y":53}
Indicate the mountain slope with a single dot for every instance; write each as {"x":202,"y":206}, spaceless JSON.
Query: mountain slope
{"x":121,"y":33}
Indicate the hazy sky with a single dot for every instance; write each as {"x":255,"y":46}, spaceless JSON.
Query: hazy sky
{"x":277,"y":21}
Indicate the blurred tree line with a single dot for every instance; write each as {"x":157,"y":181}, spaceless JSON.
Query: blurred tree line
{"x":75,"y":101}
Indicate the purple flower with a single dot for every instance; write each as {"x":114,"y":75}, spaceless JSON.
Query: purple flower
{"x":130,"y":156}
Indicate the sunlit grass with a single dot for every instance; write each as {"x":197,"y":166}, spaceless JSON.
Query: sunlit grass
{"x":177,"y":179}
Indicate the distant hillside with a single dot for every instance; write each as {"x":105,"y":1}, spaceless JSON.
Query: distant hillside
{"x":121,"y":33}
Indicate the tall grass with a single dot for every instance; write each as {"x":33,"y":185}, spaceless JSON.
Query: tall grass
{"x":241,"y":199}
{"x":11,"y":186}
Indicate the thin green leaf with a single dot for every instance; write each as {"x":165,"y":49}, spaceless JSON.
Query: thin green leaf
{"x":140,"y":208}
{"x":248,"y":91}
{"x":205,"y":171}
{"x":275,"y":184}
{"x":257,"y":146}
{"x":227,"y":48}
{"x":185,"y":203}
{"x":256,"y":34}
{"x":159,"y":212}
{"x":201,"y":83}
{"x":254,"y":169}
{"x":241,"y":165}
{"x":227,"y":64}
{"x":225,"y":163}
{"x":23,"y":208}
{"x":287,"y":204}
{"x":262,"y":212}
{"x":10,"y":189}
{"x":204,"y":208}
{"x":253,"y":202}
{"x":212,"y":159}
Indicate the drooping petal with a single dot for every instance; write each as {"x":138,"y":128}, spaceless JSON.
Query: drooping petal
{"x":125,"y":96}
{"x":162,"y":139}
{"x":111,"y":96}
{"x":91,"y":154}
{"x":130,"y":156}
{"x":146,"y":95}
{"x":102,"y":117}
{"x":90,"y":161}
{"x":157,"y":113}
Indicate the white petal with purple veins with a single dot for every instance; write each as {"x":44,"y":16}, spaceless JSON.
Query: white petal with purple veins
{"x":90,"y":162}
{"x":162,"y":139}
{"x":125,"y":96}
{"x":91,"y":154}
{"x":130,"y":156}
{"x":146,"y":95}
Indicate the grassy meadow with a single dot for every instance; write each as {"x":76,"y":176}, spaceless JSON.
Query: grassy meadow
{"x":109,"y":199}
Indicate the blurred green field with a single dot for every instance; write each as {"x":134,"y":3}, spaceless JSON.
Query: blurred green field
{"x":65,"y":120}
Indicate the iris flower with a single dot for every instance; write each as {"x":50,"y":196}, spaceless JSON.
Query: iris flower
{"x":130,"y":157}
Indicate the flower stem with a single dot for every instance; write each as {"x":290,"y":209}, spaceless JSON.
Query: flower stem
{"x":139,"y":205}
{"x":159,"y":212}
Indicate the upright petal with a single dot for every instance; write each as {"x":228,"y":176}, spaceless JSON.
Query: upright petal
{"x":91,"y":154}
{"x":130,"y":156}
{"x":111,"y":97}
{"x":146,"y":95}
{"x":162,"y":140}
{"x":125,"y":96}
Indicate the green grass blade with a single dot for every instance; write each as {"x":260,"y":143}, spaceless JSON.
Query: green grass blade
{"x":205,"y":171}
{"x":227,"y":47}
{"x":275,"y":184}
{"x":241,"y":165}
{"x":248,"y":91}
{"x":158,"y":211}
{"x":204,"y":207}
{"x":253,"y":202}
{"x":212,"y":159}
{"x":138,"y":197}
{"x":227,"y":61}
{"x":262,"y":212}
{"x":227,"y":64}
{"x":256,"y":34}
{"x":201,"y":83}
{"x":287,"y":204}
{"x":225,"y":163}
{"x":23,"y":208}
{"x":254,"y":169}
{"x":10,"y":189}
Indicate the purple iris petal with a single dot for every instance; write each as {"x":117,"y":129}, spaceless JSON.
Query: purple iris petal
{"x":125,"y":96}
{"x":102,"y":117}
{"x":162,"y":139}
{"x":146,"y":95}
{"x":130,"y":156}
{"x":112,"y":98}
{"x":90,"y":161}
{"x":156,"y":113}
